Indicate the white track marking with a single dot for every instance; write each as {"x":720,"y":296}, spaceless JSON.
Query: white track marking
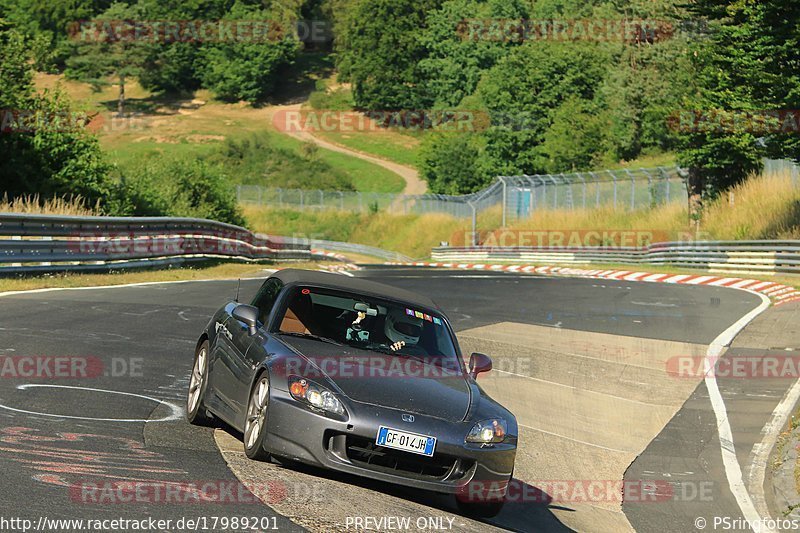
{"x":759,"y":456}
{"x":176,"y":413}
{"x":733,"y":471}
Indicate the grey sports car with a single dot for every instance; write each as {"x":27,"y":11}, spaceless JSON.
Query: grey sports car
{"x":358,"y":377}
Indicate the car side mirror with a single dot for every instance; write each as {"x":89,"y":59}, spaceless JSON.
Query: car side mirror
{"x":247,"y":314}
{"x":479,"y":363}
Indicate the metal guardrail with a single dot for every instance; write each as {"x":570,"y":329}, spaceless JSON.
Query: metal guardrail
{"x":734,"y":257}
{"x":60,"y":243}
{"x":362,"y":249}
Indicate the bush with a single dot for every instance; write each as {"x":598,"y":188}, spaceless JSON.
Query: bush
{"x":178,"y":188}
{"x":256,"y":160}
{"x":339,"y":99}
{"x":450,"y":162}
{"x":51,"y":154}
{"x":245,"y":70}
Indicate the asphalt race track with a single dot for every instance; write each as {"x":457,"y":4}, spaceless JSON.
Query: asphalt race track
{"x":119,"y":417}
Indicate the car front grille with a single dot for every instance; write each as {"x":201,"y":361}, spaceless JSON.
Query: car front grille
{"x":365,"y":453}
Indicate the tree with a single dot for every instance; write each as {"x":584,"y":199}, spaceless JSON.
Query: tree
{"x":44,"y":148}
{"x":642,"y":91}
{"x":379,"y":47}
{"x":456,"y":53}
{"x":450,"y":163}
{"x":522,"y":92}
{"x":746,"y":65}
{"x":248,"y":70}
{"x":185,"y":188}
{"x":577,"y":139}
{"x":52,"y":22}
{"x":109,"y":46}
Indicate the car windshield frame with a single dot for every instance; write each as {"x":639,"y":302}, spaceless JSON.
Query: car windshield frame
{"x":291,"y":290}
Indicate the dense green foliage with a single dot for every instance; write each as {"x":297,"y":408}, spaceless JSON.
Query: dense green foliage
{"x":554,"y":104}
{"x":43,"y":146}
{"x":46,"y":150}
{"x":573,"y":103}
{"x":383,"y":53}
{"x":166,"y":187}
{"x":235,"y":66}
{"x":255,"y":160}
{"x":748,"y":63}
{"x":542,"y":103}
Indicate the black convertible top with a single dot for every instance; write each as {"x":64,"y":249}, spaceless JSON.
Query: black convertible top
{"x":338,"y":281}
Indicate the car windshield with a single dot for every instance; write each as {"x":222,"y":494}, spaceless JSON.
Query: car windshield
{"x":367,"y":323}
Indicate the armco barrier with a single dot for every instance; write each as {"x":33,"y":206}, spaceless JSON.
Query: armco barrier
{"x":733,"y":257}
{"x":61,"y":243}
{"x":362,"y":249}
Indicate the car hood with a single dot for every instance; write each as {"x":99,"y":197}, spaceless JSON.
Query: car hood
{"x":426,"y":387}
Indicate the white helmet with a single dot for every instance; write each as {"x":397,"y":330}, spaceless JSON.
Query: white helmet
{"x":402,"y":327}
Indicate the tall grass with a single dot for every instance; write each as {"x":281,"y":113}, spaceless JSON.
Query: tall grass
{"x":764,"y":207}
{"x":413,"y":235}
{"x":32,"y":204}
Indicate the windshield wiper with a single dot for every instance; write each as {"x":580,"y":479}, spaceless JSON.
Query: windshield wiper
{"x":311,"y":336}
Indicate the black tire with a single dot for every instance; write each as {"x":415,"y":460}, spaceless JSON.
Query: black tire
{"x":257,"y":410}
{"x":198,"y":381}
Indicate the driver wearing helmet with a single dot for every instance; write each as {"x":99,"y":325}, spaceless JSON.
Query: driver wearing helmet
{"x":403,"y":331}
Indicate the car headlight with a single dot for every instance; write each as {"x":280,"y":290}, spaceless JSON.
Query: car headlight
{"x":488,"y":431}
{"x":307,"y":391}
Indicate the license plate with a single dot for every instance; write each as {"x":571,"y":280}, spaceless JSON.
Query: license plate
{"x":408,"y":442}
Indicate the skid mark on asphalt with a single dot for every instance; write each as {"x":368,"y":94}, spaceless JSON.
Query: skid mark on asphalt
{"x":67,"y":458}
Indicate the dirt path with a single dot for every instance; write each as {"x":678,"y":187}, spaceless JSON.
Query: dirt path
{"x":414,"y":184}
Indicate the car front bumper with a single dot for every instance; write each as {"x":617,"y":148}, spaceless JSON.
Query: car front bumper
{"x":298,"y":433}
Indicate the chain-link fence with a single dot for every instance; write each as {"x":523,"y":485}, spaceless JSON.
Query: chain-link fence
{"x":628,"y":189}
{"x":781,"y":166}
{"x":520,"y":196}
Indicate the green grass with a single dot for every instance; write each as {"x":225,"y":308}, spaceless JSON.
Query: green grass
{"x":412,"y":235}
{"x":327,"y":97}
{"x":393,"y":146}
{"x":666,"y":159}
{"x":366,"y":177}
{"x":128,"y":156}
{"x":196,"y":127}
{"x":767,"y":207}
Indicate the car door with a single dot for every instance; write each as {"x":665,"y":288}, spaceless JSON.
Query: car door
{"x":241,"y":352}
